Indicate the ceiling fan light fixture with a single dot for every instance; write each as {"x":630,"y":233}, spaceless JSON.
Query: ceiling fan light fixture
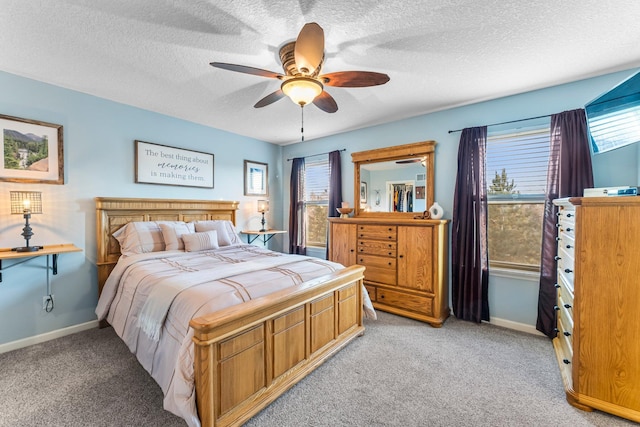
{"x":302,"y":90}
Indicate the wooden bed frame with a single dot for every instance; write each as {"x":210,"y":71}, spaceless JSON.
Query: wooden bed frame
{"x":247,"y":355}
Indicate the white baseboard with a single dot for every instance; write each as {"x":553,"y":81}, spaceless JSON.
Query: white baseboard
{"x":522,"y":327}
{"x":36,"y":339}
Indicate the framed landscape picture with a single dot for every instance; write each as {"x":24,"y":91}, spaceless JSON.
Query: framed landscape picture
{"x":256,"y":178}
{"x":33,"y":151}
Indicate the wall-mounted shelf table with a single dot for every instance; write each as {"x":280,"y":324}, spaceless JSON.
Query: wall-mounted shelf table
{"x":47,"y":250}
{"x":252,"y":235}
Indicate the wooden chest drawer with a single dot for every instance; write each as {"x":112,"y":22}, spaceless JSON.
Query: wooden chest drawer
{"x":376,"y":261}
{"x":377,"y":232}
{"x":381,"y":275}
{"x":419,"y":304}
{"x":371,"y":290}
{"x":377,"y":247}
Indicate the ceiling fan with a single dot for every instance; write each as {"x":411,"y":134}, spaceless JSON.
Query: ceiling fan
{"x":302,"y":82}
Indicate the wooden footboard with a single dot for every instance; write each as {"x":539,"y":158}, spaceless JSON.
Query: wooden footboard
{"x":248,"y":355}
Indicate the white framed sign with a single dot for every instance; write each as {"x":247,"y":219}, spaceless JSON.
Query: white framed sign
{"x":161,"y":164}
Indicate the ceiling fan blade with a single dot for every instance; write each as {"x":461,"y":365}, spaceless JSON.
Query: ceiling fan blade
{"x":325,"y":102}
{"x":247,"y":70}
{"x":270,"y":99}
{"x":309,"y":50}
{"x":354,"y":79}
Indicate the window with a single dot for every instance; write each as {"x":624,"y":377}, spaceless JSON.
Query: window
{"x":614,"y":117}
{"x":516,"y":168}
{"x":316,"y":201}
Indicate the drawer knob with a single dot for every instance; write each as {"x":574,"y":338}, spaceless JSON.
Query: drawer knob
{"x":352,"y":250}
{"x":566,"y":361}
{"x":566,"y":270}
{"x":557,"y":258}
{"x":569,"y":229}
{"x":557,"y":225}
{"x":567,"y":306}
{"x":556,"y":308}
{"x":389,"y":253}
{"x":569,"y":215}
{"x":400,"y":256}
{"x":381,"y":296}
{"x":569,"y":246}
{"x":556,"y":330}
{"x":567,"y":334}
{"x":557,"y":286}
{"x":557,"y":239}
{"x":558,"y":213}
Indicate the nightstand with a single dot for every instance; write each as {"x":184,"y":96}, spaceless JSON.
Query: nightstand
{"x":266,"y":235}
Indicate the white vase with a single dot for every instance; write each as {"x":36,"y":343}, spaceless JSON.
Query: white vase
{"x":436,"y":211}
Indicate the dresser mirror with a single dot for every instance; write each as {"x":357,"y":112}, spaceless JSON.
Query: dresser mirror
{"x":394,"y":181}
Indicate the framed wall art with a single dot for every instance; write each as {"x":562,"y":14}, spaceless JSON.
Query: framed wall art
{"x":33,"y":151}
{"x":363,"y":192}
{"x":256,"y":178}
{"x":161,"y":164}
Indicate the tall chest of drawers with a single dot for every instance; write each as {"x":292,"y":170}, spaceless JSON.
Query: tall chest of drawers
{"x":406,"y":263}
{"x":598,"y":303}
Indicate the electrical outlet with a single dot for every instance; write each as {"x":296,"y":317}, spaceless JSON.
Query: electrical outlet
{"x":47,"y":302}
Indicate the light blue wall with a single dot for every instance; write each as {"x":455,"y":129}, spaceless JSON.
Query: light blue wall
{"x":98,"y":143}
{"x":99,"y":161}
{"x":510,"y":299}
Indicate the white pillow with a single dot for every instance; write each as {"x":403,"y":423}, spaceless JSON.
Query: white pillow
{"x":195,"y":242}
{"x":140,"y":237}
{"x":172,"y":234}
{"x":218,"y":225}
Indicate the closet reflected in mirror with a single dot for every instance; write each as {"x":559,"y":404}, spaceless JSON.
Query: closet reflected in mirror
{"x":396,"y":180}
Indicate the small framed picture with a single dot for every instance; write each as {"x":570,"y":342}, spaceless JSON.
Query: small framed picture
{"x":256,"y":178}
{"x":33,"y":151}
{"x":363,"y":192}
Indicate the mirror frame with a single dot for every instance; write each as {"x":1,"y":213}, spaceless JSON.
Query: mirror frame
{"x":424,"y":149}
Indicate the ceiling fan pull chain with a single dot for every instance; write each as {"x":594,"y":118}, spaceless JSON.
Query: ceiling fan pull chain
{"x":302,"y":123}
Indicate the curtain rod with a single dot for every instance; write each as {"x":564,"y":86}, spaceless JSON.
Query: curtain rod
{"x":511,"y":121}
{"x":319,"y":154}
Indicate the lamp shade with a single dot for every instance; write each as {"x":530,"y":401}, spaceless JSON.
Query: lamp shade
{"x":302,"y":90}
{"x":26,"y":202}
{"x":263,"y":206}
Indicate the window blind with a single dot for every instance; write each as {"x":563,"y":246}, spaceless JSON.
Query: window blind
{"x":316,"y":184}
{"x":516,"y":165}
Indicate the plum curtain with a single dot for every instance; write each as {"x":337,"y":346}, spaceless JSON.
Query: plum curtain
{"x":569,"y":173}
{"x":469,"y":254}
{"x":296,"y":208}
{"x":335,"y":188}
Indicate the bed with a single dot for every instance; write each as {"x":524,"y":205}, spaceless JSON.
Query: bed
{"x":225,"y":363}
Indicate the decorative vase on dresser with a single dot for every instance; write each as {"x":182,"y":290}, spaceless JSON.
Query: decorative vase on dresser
{"x":598,"y":303}
{"x":405,"y":259}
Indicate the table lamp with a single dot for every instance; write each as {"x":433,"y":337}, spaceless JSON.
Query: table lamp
{"x":263,"y":206}
{"x":26,"y":203}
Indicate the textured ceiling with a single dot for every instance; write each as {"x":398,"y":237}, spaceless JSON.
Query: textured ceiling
{"x":155,"y":54}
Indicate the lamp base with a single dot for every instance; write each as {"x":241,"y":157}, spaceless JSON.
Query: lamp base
{"x":27,"y":249}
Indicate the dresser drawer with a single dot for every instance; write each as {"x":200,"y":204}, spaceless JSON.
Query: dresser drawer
{"x":418,"y":304}
{"x":377,"y":247}
{"x":565,"y":327}
{"x":376,"y":261}
{"x":565,"y":261}
{"x":381,"y":275}
{"x":371,"y":290}
{"x":378,"y":232}
{"x":566,"y":308}
{"x":565,"y":289}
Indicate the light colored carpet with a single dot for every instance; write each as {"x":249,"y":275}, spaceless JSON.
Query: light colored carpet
{"x":400,"y":373}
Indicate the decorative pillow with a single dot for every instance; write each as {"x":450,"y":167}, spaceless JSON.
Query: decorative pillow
{"x":172,"y":234}
{"x":218,"y":225}
{"x":195,"y":242}
{"x":140,"y":237}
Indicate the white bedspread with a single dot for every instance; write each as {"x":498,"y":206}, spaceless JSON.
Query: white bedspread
{"x":237,"y":273}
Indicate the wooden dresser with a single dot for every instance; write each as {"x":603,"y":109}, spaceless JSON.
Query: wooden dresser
{"x":598,"y":303}
{"x":406,"y":263}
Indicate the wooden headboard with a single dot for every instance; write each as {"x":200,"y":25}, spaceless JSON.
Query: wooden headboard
{"x":112,"y":213}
